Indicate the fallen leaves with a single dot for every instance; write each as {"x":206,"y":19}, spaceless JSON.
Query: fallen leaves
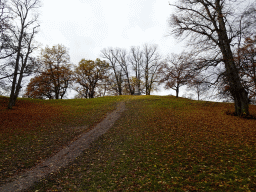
{"x":166,"y":144}
{"x":35,"y":129}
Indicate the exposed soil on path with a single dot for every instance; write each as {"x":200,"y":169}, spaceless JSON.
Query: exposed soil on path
{"x":63,"y":157}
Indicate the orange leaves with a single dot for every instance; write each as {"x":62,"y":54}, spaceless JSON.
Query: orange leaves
{"x":54,"y":76}
{"x":24,"y":116}
{"x":39,"y":87}
{"x":88,"y":74}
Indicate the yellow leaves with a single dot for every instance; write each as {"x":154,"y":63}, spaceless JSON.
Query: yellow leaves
{"x":88,"y":73}
{"x":54,"y":74}
{"x":161,"y":182}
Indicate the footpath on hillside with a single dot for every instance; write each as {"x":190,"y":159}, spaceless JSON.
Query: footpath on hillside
{"x":65,"y":156}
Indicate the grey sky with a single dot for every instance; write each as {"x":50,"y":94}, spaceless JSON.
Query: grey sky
{"x":88,"y":26}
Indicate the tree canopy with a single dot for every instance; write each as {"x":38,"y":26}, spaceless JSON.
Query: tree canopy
{"x":88,"y":75}
{"x":54,"y":75}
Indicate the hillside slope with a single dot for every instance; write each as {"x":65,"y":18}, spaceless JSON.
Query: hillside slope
{"x":35,"y":129}
{"x":166,"y":143}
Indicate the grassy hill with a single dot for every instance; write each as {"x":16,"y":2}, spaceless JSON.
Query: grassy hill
{"x":158,"y":144}
{"x":36,"y":129}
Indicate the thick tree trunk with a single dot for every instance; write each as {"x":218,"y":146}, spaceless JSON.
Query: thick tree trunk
{"x":119,"y":83}
{"x":91,"y":94}
{"x":148,"y":91}
{"x":119,"y":90}
{"x":241,"y":103}
{"x":147,"y":88}
{"x":56,"y":95}
{"x":11,"y":100}
{"x":177,"y":91}
{"x":237,"y":90}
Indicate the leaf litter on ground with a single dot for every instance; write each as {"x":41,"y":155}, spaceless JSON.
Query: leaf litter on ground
{"x":35,"y":129}
{"x":162,"y":144}
{"x":166,"y":144}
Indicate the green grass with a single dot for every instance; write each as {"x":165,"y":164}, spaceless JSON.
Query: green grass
{"x":166,"y":144}
{"x":36,"y":129}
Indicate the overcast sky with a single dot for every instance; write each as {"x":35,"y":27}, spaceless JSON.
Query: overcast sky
{"x":87,"y":26}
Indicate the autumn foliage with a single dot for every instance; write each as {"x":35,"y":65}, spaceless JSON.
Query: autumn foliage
{"x":167,"y":144}
{"x":48,"y":83}
{"x":89,"y":74}
{"x":54,"y":76}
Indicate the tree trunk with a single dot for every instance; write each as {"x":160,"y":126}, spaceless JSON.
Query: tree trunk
{"x":237,"y":90}
{"x":18,"y":87}
{"x":146,"y":84}
{"x":12,"y":96}
{"x":24,"y":64}
{"x":129,"y":84}
{"x":147,"y":89}
{"x":177,"y":91}
{"x":56,"y":94}
{"x":119,"y":83}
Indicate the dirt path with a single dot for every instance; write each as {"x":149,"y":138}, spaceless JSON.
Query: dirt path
{"x":65,"y":156}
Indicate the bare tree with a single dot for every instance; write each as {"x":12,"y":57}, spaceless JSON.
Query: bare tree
{"x":200,"y":85}
{"x":136,"y":60}
{"x":111,"y":55}
{"x":5,"y":50}
{"x":5,"y":26}
{"x":106,"y":85}
{"x":176,"y":72}
{"x":151,"y":64}
{"x":143,"y":63}
{"x":246,"y":61}
{"x":23,"y":34}
{"x":110,"y":86}
{"x":122,"y":58}
{"x":214,"y":24}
